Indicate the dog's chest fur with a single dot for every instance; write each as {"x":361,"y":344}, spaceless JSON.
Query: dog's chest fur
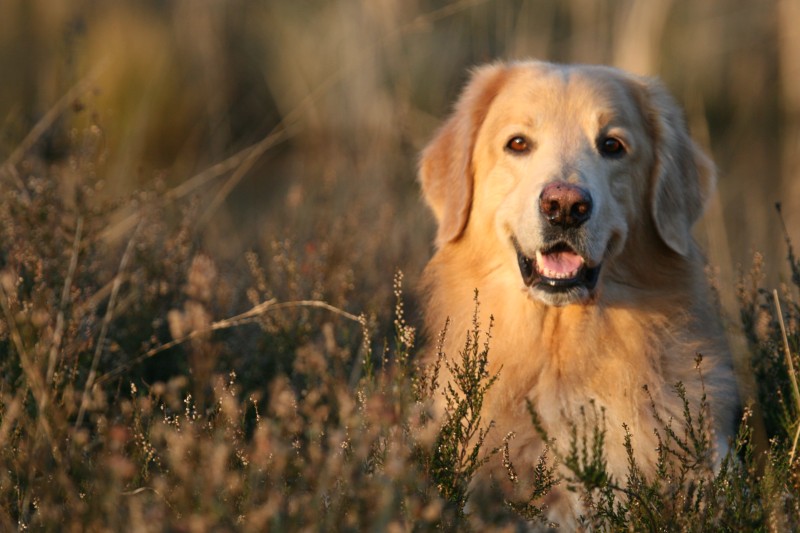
{"x":593,"y":359}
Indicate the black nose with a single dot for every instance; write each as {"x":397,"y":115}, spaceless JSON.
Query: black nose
{"x":564,"y":204}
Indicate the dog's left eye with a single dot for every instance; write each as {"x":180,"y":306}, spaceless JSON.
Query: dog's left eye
{"x":611,"y":147}
{"x":518,"y":145}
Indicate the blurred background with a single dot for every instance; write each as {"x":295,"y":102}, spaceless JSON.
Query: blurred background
{"x":300,"y":121}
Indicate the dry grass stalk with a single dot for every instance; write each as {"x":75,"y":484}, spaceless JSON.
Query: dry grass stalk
{"x":790,"y":365}
{"x":234,"y":321}
{"x":101,"y":340}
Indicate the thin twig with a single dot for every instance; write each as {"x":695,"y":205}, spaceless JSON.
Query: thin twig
{"x":33,"y":376}
{"x":424,"y":20}
{"x":11,"y":411}
{"x":790,"y":365}
{"x":14,"y":333}
{"x":59,"y":329}
{"x":276,"y":136}
{"x":794,"y":444}
{"x":240,"y":162}
{"x":104,"y":329}
{"x":241,"y":171}
{"x":227,"y":323}
{"x":142,"y":490}
{"x":44,"y":124}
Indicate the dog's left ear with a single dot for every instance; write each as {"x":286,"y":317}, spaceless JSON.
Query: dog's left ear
{"x":445,"y":169}
{"x":683,"y":177}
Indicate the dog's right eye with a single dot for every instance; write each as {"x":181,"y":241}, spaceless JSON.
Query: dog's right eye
{"x":611,"y":147}
{"x":518,"y":145}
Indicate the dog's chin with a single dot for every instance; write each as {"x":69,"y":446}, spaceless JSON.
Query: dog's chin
{"x":558,"y":275}
{"x":561,"y":297}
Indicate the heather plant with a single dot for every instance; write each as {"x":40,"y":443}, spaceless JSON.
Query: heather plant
{"x":687,"y":492}
{"x":460,"y":449}
{"x":770,"y":320}
{"x":170,"y":364}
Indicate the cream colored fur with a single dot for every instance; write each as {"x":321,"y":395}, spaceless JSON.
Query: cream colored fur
{"x":651,"y":311}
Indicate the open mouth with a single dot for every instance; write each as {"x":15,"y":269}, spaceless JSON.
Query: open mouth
{"x":557,"y":268}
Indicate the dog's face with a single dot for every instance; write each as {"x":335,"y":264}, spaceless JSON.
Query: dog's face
{"x":561,"y":162}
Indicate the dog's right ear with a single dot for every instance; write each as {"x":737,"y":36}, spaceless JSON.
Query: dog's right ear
{"x":445,"y":169}
{"x":683,"y":176}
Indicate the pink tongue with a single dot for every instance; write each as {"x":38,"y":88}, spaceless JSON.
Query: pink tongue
{"x":561,"y":262}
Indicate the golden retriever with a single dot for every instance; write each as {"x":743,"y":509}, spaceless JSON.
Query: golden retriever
{"x":566,"y":195}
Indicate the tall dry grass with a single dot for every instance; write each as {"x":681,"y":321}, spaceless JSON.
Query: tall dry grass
{"x":202,"y":205}
{"x":357,"y":88}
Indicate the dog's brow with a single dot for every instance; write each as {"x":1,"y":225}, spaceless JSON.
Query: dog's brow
{"x":605,"y":117}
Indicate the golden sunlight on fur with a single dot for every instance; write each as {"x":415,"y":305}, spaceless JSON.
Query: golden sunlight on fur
{"x":566,"y":196}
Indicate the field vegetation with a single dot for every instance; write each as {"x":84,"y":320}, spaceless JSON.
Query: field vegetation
{"x":211,"y":234}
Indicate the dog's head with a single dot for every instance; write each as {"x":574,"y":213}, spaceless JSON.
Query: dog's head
{"x":562,"y":162}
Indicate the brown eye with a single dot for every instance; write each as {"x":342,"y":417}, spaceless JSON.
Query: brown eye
{"x":518,"y":145}
{"x":611,"y":147}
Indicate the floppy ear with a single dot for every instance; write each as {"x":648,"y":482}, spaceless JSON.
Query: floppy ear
{"x":445,"y":169}
{"x":683,"y":176}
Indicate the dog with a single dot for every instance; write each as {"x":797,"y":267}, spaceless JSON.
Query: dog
{"x":565,"y":195}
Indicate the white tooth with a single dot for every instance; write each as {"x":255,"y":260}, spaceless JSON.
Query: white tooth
{"x":552,"y":274}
